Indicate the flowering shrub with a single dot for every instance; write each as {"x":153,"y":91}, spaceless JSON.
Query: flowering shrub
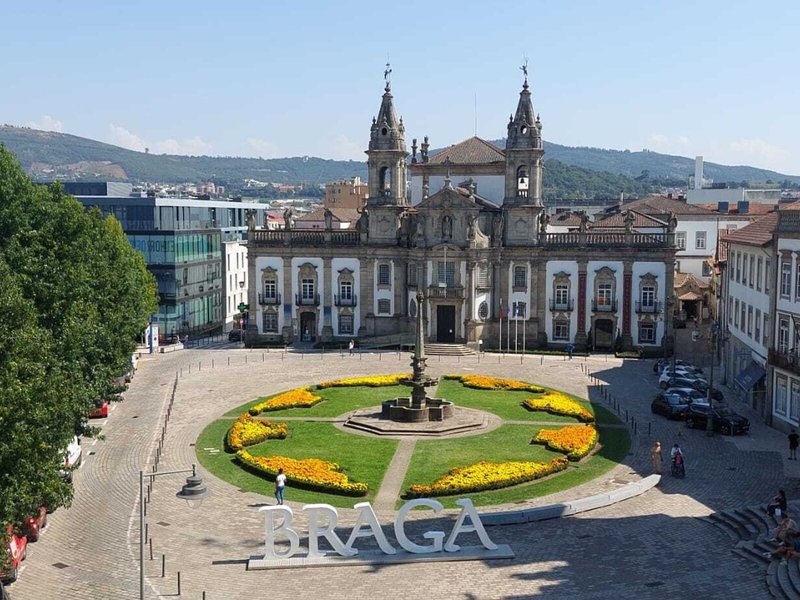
{"x":373,"y":381}
{"x":309,"y":473}
{"x":247,"y":431}
{"x":486,"y":476}
{"x":558,"y":404}
{"x":576,"y":441}
{"x":482,"y":382}
{"x":299,"y":398}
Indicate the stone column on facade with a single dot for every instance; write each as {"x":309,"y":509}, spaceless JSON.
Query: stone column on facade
{"x":327,"y":299}
{"x":496,"y":303}
{"x":367,"y":297}
{"x":253,"y":286}
{"x":469,"y":303}
{"x":627,"y":304}
{"x":580,"y":336}
{"x":539,"y":297}
{"x":288,"y":301}
{"x":669,"y":305}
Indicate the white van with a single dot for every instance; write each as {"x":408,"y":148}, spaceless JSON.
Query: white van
{"x":72,"y":458}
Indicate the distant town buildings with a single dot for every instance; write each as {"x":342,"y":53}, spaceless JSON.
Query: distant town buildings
{"x":350,"y":194}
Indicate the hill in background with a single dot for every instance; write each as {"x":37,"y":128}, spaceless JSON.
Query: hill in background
{"x":569,"y":172}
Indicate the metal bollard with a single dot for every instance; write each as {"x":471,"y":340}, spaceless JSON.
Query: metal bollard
{"x":262,"y":357}
{"x":150,"y":541}
{"x":163,"y":564}
{"x":199,"y":365}
{"x":179,"y":583}
{"x":541,"y":360}
{"x":212,"y":363}
{"x":229,"y":361}
{"x":245,"y":359}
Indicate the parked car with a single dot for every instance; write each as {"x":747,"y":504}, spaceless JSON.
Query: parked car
{"x":100,"y":409}
{"x":235,"y":335}
{"x":687,"y":393}
{"x":698,"y":384}
{"x":34,"y":524}
{"x":668,"y":374}
{"x":723,"y":420}
{"x":670,"y":405}
{"x":15,"y":553}
{"x":663,"y":363}
{"x":72,"y":458}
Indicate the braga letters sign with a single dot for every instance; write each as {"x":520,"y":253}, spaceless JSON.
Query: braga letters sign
{"x":322,"y":520}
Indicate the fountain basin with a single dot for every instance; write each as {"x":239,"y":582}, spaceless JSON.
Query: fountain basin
{"x":401,"y":409}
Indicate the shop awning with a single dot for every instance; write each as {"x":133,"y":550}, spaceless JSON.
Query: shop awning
{"x":750,"y":376}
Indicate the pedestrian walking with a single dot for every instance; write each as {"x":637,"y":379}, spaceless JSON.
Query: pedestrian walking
{"x":280,"y":484}
{"x":658,"y":457}
{"x":570,"y":350}
{"x":793,"y":440}
{"x":350,"y":346}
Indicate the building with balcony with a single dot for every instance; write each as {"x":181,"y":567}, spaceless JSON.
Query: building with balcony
{"x":479,"y":250}
{"x":185,"y":243}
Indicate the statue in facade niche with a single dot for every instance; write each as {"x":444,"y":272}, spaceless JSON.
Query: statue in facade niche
{"x":287,"y":218}
{"x":419,"y":232}
{"x":544,"y":221}
{"x":497,"y":226}
{"x":471,"y":226}
{"x":672,"y":222}
{"x":362,"y":225}
{"x":447,"y":227}
{"x":328,"y":219}
{"x":250,"y":218}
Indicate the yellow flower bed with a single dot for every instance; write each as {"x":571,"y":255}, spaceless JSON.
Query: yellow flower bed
{"x":482,"y":382}
{"x":486,"y":476}
{"x":309,"y":473}
{"x":576,"y":441}
{"x":247,"y":431}
{"x":558,"y":404}
{"x":299,"y":398}
{"x":373,"y":381}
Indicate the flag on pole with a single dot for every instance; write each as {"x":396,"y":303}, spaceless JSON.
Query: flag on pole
{"x":502,"y":314}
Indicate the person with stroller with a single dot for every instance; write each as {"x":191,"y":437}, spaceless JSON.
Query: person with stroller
{"x":678,"y":461}
{"x":778,"y":503}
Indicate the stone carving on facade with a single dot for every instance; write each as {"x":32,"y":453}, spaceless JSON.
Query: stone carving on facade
{"x":629,"y":221}
{"x":544,"y":221}
{"x":362,"y":225}
{"x":497,"y":227}
{"x":584,"y":226}
{"x":250,"y":218}
{"x":419,"y":232}
{"x":328,"y":219}
{"x":471,"y":226}
{"x":288,"y":220}
{"x":672,"y":222}
{"x":447,"y":227}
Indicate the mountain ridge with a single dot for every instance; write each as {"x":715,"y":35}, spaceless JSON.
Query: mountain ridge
{"x":47,"y":155}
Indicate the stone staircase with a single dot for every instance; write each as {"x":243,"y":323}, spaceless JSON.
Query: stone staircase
{"x":448,"y":350}
{"x":750,"y":529}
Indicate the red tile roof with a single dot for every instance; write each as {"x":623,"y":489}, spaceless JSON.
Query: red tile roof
{"x":757,"y":233}
{"x":640,"y":220}
{"x":472,"y":151}
{"x":663,"y":205}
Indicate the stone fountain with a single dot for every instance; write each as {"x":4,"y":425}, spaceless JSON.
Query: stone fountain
{"x":419,"y":407}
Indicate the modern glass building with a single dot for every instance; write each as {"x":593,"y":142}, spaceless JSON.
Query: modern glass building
{"x":181,"y":240}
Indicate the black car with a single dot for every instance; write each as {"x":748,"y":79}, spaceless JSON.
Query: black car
{"x":670,"y":405}
{"x":723,"y":419}
{"x":235,"y":335}
{"x":697,"y":384}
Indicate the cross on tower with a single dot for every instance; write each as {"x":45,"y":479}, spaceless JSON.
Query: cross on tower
{"x":386,"y":74}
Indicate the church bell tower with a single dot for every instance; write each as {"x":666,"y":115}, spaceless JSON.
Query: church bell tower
{"x":524,"y":151}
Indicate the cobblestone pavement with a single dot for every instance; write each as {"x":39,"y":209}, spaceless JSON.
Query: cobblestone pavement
{"x":646,"y":547}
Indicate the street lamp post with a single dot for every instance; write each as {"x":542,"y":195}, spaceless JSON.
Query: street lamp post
{"x":241,"y":316}
{"x":194,"y":491}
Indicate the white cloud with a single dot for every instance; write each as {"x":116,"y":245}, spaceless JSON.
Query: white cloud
{"x":263,"y":148}
{"x":127,"y":139}
{"x":345,"y":149}
{"x":668,"y":142}
{"x":120,"y":136}
{"x":758,"y":150}
{"x":47,"y":123}
{"x":658,"y":139}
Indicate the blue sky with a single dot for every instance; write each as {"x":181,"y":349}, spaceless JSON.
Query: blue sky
{"x":278,"y":79}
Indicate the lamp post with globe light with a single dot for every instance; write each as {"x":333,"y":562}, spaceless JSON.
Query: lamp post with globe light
{"x":193,"y":491}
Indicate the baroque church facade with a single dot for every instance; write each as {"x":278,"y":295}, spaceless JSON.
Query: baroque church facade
{"x":487,"y":267}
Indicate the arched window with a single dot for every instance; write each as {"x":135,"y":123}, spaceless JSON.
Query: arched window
{"x":412,"y":308}
{"x":385,"y":180}
{"x":483,"y":311}
{"x":522,"y":181}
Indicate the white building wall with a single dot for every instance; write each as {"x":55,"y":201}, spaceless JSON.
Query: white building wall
{"x":235,"y":263}
{"x":752,"y":295}
{"x":337,"y":264}
{"x":659,"y":270}
{"x":296,"y":264}
{"x":276,"y":263}
{"x":787,"y":310}
{"x":571,"y":267}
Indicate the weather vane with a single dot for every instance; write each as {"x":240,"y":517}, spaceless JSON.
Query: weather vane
{"x":387,"y":72}
{"x":524,"y":68}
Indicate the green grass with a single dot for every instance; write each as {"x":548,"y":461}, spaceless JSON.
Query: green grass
{"x":434,"y":458}
{"x":362,"y":458}
{"x":336,"y":401}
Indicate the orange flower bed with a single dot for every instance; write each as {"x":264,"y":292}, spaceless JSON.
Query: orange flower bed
{"x":309,"y":473}
{"x":481,"y":382}
{"x":486,"y":476}
{"x":299,"y":398}
{"x":372,"y":381}
{"x":576,"y":441}
{"x":558,"y":404}
{"x":247,"y":431}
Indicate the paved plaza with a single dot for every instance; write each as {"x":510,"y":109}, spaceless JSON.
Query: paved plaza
{"x":651,"y":546}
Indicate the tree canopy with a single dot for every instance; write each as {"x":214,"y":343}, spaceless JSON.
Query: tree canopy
{"x":74,"y":298}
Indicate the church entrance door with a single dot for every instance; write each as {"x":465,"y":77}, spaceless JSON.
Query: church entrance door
{"x":445,"y":324}
{"x":603,"y":334}
{"x":308,"y":327}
